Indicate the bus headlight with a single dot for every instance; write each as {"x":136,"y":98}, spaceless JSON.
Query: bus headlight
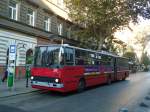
{"x":32,"y":77}
{"x":56,"y":80}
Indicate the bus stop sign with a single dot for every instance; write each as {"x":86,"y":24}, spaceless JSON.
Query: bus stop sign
{"x":11,"y":65}
{"x":12,"y":52}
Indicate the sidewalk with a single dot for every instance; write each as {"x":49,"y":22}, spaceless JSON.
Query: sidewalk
{"x":18,"y":88}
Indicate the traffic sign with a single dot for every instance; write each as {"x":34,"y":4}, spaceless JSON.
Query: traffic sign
{"x":12,"y":52}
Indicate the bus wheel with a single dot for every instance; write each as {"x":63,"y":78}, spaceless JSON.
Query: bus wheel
{"x":81,"y":85}
{"x":124,"y":78}
{"x":109,"y":81}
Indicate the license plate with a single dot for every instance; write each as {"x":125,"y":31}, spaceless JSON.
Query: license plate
{"x":41,"y":83}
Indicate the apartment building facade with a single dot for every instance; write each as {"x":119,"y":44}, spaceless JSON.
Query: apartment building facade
{"x":27,"y":23}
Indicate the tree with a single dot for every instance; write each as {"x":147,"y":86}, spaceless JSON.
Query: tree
{"x":145,"y":60}
{"x":99,"y":19}
{"x":141,"y":39}
{"x":139,"y":8}
{"x":131,"y":55}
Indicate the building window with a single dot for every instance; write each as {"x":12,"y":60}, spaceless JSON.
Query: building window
{"x":47,"y":24}
{"x":31,"y":17}
{"x":60,"y":2}
{"x":60,"y":27}
{"x":13,"y":10}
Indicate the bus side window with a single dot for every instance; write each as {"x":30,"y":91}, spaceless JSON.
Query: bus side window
{"x":79,"y":59}
{"x":69,"y":56}
{"x":62,"y":60}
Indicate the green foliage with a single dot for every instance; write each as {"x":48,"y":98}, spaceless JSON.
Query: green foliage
{"x":139,"y":8}
{"x":108,"y":46}
{"x":99,"y":19}
{"x":131,"y":55}
{"x":145,"y":59}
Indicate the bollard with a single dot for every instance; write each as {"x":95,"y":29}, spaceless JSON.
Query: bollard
{"x":10,"y":80}
{"x":10,"y":77}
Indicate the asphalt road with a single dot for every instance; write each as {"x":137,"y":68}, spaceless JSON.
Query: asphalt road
{"x":130,"y":94}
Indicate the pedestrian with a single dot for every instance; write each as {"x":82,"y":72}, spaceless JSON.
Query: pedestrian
{"x":5,"y":75}
{"x":27,"y":75}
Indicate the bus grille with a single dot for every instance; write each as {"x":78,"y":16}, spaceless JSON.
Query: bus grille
{"x":44,"y":79}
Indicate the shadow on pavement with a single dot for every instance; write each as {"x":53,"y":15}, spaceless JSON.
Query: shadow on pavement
{"x":59,"y":94}
{"x":4,"y":108}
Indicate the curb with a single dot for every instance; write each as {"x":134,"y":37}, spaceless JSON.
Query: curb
{"x":21,"y":93}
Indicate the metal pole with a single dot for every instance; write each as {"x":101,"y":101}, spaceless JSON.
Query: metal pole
{"x":62,"y":41}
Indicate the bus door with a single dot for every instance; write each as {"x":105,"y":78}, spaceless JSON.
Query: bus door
{"x":115,"y":68}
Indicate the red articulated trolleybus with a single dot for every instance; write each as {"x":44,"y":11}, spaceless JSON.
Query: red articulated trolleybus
{"x":67,"y":68}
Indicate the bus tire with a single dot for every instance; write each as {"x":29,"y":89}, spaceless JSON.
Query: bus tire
{"x":109,"y":81}
{"x":124,"y":78}
{"x":81,"y":86}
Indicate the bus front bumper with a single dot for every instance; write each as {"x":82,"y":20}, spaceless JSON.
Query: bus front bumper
{"x":47,"y":84}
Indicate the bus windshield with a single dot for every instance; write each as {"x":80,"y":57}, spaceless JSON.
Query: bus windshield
{"x":47,"y":56}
